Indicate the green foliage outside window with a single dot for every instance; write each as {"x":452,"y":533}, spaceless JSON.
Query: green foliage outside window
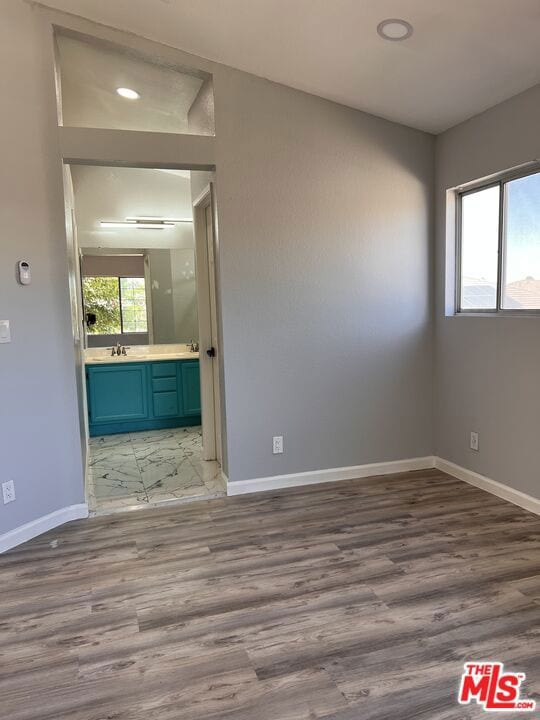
{"x":119,"y":305}
{"x":101,"y":297}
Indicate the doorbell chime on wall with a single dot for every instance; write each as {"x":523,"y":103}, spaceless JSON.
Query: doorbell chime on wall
{"x":23,"y":272}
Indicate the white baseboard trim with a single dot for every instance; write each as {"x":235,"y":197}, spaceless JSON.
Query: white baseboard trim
{"x":75,"y":512}
{"x":353,"y":472}
{"x":528,"y":502}
{"x":32,"y":529}
{"x":275,"y":482}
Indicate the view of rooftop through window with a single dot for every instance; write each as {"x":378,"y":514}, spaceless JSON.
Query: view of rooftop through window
{"x":522,"y":245}
{"x":519,"y":245}
{"x":479,"y":245}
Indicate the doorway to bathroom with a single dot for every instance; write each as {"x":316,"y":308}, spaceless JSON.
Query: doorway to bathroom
{"x":143,"y":244}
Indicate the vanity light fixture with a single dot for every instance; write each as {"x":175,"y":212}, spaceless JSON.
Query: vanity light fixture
{"x":150,"y":218}
{"x":143,"y":223}
{"x":394,"y":29}
{"x":128,"y":93}
{"x":135,"y":225}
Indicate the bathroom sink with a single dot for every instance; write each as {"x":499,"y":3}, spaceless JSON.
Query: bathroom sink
{"x":142,"y":358}
{"x":116,"y":358}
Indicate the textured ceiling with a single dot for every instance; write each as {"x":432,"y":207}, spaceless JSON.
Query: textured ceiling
{"x":464,"y":55}
{"x":116,"y":193}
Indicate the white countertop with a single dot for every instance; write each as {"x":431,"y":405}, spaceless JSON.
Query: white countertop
{"x":140,"y":353}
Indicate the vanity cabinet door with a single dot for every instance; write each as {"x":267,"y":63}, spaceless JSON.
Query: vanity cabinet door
{"x":166,"y":404}
{"x":117,"y":393}
{"x":191,"y":388}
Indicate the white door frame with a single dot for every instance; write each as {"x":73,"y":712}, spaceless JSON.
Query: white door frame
{"x":205,"y":253}
{"x":148,"y":293}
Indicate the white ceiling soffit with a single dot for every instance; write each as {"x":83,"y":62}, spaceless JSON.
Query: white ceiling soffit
{"x":464,"y":55}
{"x":91,"y":75}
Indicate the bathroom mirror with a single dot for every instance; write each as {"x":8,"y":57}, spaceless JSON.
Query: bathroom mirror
{"x":139,"y":296}
{"x":134,"y":229}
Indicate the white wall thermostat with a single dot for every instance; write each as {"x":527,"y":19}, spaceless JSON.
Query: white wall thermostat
{"x":25,"y":276}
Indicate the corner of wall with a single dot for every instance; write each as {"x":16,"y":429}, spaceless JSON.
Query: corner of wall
{"x":41,"y":525}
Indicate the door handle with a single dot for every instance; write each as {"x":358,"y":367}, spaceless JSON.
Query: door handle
{"x":211,"y":352}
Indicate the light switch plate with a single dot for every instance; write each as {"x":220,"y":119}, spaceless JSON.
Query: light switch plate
{"x":5,"y":333}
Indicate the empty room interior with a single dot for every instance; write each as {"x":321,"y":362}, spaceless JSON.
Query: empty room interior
{"x":270,"y":328}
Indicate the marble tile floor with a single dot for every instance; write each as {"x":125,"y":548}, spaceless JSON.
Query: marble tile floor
{"x":133,"y":470}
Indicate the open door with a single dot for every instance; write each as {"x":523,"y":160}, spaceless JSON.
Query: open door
{"x":205,"y":249}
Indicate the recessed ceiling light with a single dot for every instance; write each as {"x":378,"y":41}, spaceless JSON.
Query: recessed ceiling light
{"x":128,"y":93}
{"x":395,"y":29}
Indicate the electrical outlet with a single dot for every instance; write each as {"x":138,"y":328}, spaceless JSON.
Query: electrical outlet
{"x":474,"y":441}
{"x":277,"y":444}
{"x":8,"y":491}
{"x":5,"y":333}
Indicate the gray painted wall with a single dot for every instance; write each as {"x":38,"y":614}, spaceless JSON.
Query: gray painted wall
{"x":162,"y":297}
{"x":127,"y":339}
{"x":200,"y":116}
{"x":40,"y":444}
{"x":324,"y":222}
{"x":105,"y":265}
{"x":184,"y":295}
{"x":486,"y":375}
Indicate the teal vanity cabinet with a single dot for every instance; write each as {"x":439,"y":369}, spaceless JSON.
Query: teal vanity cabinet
{"x":117,"y":393}
{"x":191,"y":388}
{"x":132,"y":396}
{"x":166,"y":395}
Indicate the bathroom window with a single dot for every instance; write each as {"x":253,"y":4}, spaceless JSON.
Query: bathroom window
{"x":118,"y":304}
{"x":498,"y":247}
{"x":133,"y":305}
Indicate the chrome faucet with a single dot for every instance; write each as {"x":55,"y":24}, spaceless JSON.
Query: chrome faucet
{"x":119,"y":350}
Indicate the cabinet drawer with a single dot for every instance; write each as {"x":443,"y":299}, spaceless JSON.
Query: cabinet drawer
{"x":166,"y":404}
{"x":164,"y":384}
{"x":163,"y":369}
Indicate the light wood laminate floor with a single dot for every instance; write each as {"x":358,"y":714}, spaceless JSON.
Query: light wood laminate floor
{"x":356,"y":600}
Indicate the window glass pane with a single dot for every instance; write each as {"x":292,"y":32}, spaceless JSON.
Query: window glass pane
{"x":103,"y":86}
{"x":521,"y":289}
{"x":134,"y":317}
{"x":479,"y":249}
{"x":101,"y":298}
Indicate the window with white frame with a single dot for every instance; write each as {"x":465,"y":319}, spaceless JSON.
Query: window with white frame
{"x":118,"y":303}
{"x":498,"y":248}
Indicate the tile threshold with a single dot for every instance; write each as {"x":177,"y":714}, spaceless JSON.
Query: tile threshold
{"x":156,"y":504}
